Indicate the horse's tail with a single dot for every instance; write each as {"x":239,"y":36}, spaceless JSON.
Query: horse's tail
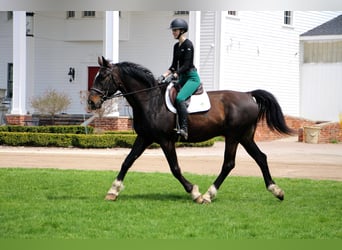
{"x":270,"y":109}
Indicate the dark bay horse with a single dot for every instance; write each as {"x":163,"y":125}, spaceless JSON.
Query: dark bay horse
{"x":233,"y":115}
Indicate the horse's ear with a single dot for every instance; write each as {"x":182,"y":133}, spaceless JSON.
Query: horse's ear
{"x":100,"y":61}
{"x":103,"y":62}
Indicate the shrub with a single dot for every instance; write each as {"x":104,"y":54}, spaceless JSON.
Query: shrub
{"x":35,"y":139}
{"x":72,"y":129}
{"x":51,"y":102}
{"x":78,"y":140}
{"x":94,"y":141}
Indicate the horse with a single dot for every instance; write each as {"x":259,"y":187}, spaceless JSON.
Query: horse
{"x":233,"y":115}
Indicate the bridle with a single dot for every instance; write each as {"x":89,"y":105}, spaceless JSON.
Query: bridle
{"x":104,"y":94}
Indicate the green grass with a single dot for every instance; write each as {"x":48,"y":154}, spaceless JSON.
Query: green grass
{"x":68,"y":204}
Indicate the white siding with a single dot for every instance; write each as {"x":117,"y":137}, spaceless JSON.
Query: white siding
{"x":207,"y":54}
{"x":260,"y":52}
{"x":307,"y":20}
{"x":321,"y":92}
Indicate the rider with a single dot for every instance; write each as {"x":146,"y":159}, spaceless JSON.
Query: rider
{"x":183,"y":69}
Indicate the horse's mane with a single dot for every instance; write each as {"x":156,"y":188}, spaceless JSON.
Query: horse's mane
{"x":137,"y":72}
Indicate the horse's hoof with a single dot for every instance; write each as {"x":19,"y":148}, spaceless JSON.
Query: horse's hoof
{"x":276,"y":191}
{"x":199,"y":200}
{"x":281,"y":196}
{"x":205,"y":201}
{"x":111,"y":197}
{"x":206,"y":198}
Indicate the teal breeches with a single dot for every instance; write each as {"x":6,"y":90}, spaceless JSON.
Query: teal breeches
{"x":190,"y":82}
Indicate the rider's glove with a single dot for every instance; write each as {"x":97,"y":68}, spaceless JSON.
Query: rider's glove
{"x":160,"y":79}
{"x":169,"y":79}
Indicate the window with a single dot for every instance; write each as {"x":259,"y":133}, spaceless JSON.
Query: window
{"x":288,"y":17}
{"x":9,"y":15}
{"x":70,"y":14}
{"x":323,"y":52}
{"x":181,"y":12}
{"x":88,"y":13}
{"x":232,"y":15}
{"x":9,"y":81}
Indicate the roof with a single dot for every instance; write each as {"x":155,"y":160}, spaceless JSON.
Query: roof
{"x":332,"y":27}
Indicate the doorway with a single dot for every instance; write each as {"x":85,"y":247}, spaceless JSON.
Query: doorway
{"x":92,"y":71}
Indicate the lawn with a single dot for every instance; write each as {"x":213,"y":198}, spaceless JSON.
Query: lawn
{"x":69,"y":204}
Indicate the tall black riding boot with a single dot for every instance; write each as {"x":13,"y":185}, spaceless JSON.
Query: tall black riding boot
{"x":183,"y":119}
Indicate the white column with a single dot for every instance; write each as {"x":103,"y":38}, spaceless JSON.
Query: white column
{"x":111,"y":39}
{"x":30,"y":69}
{"x":195,"y":35}
{"x":19,"y":63}
{"x":220,"y":48}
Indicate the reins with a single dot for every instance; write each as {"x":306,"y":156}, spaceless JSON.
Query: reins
{"x":136,"y":92}
{"x":105,"y":97}
{"x":105,"y":93}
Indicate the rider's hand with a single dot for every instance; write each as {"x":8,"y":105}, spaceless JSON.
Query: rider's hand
{"x":161,"y":79}
{"x":168,"y":79}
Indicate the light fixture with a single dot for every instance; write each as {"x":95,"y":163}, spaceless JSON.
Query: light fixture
{"x":71,"y":74}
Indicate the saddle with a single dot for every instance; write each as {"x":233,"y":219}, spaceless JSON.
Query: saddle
{"x":197,"y":102}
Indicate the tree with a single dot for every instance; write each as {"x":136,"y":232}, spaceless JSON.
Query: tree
{"x":108,"y":107}
{"x":51,"y":102}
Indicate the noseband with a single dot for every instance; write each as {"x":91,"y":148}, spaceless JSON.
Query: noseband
{"x":103,"y":94}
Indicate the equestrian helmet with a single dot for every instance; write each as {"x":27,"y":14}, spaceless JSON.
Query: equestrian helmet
{"x":180,"y":24}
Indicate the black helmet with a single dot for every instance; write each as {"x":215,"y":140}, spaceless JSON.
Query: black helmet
{"x":179,"y":24}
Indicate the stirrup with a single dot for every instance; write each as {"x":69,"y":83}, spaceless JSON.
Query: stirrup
{"x":184,"y":134}
{"x":181,"y":132}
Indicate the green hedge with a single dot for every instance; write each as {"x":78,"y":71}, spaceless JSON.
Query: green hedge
{"x":71,"y":129}
{"x":36,"y":139}
{"x":103,"y":141}
{"x":78,"y":140}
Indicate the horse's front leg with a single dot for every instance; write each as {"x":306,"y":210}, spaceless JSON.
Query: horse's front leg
{"x":171,"y":156}
{"x":228,"y":165}
{"x":138,"y":148}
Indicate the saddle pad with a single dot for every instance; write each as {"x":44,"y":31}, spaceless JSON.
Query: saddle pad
{"x":198,"y":103}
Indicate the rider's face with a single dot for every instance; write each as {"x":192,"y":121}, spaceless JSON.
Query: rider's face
{"x":175,"y":33}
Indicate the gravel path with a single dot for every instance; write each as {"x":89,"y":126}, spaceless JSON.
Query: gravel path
{"x":286,"y":158}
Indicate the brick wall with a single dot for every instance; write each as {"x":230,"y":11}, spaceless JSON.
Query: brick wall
{"x":17,"y":119}
{"x":112,"y":123}
{"x":105,"y":123}
{"x":263,"y":133}
{"x":329,"y":131}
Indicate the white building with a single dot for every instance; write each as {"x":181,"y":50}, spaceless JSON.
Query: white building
{"x":242,"y":50}
{"x":321,"y":71}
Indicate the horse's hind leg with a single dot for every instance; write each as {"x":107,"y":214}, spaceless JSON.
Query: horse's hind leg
{"x":138,"y":148}
{"x":228,"y":165}
{"x":261,"y":159}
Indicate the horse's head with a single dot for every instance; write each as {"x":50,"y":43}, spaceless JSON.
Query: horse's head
{"x":104,"y":85}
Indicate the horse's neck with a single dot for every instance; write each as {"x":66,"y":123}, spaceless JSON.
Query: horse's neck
{"x":147,"y":104}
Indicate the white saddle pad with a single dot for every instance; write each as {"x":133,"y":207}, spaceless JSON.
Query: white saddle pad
{"x":198,"y":103}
